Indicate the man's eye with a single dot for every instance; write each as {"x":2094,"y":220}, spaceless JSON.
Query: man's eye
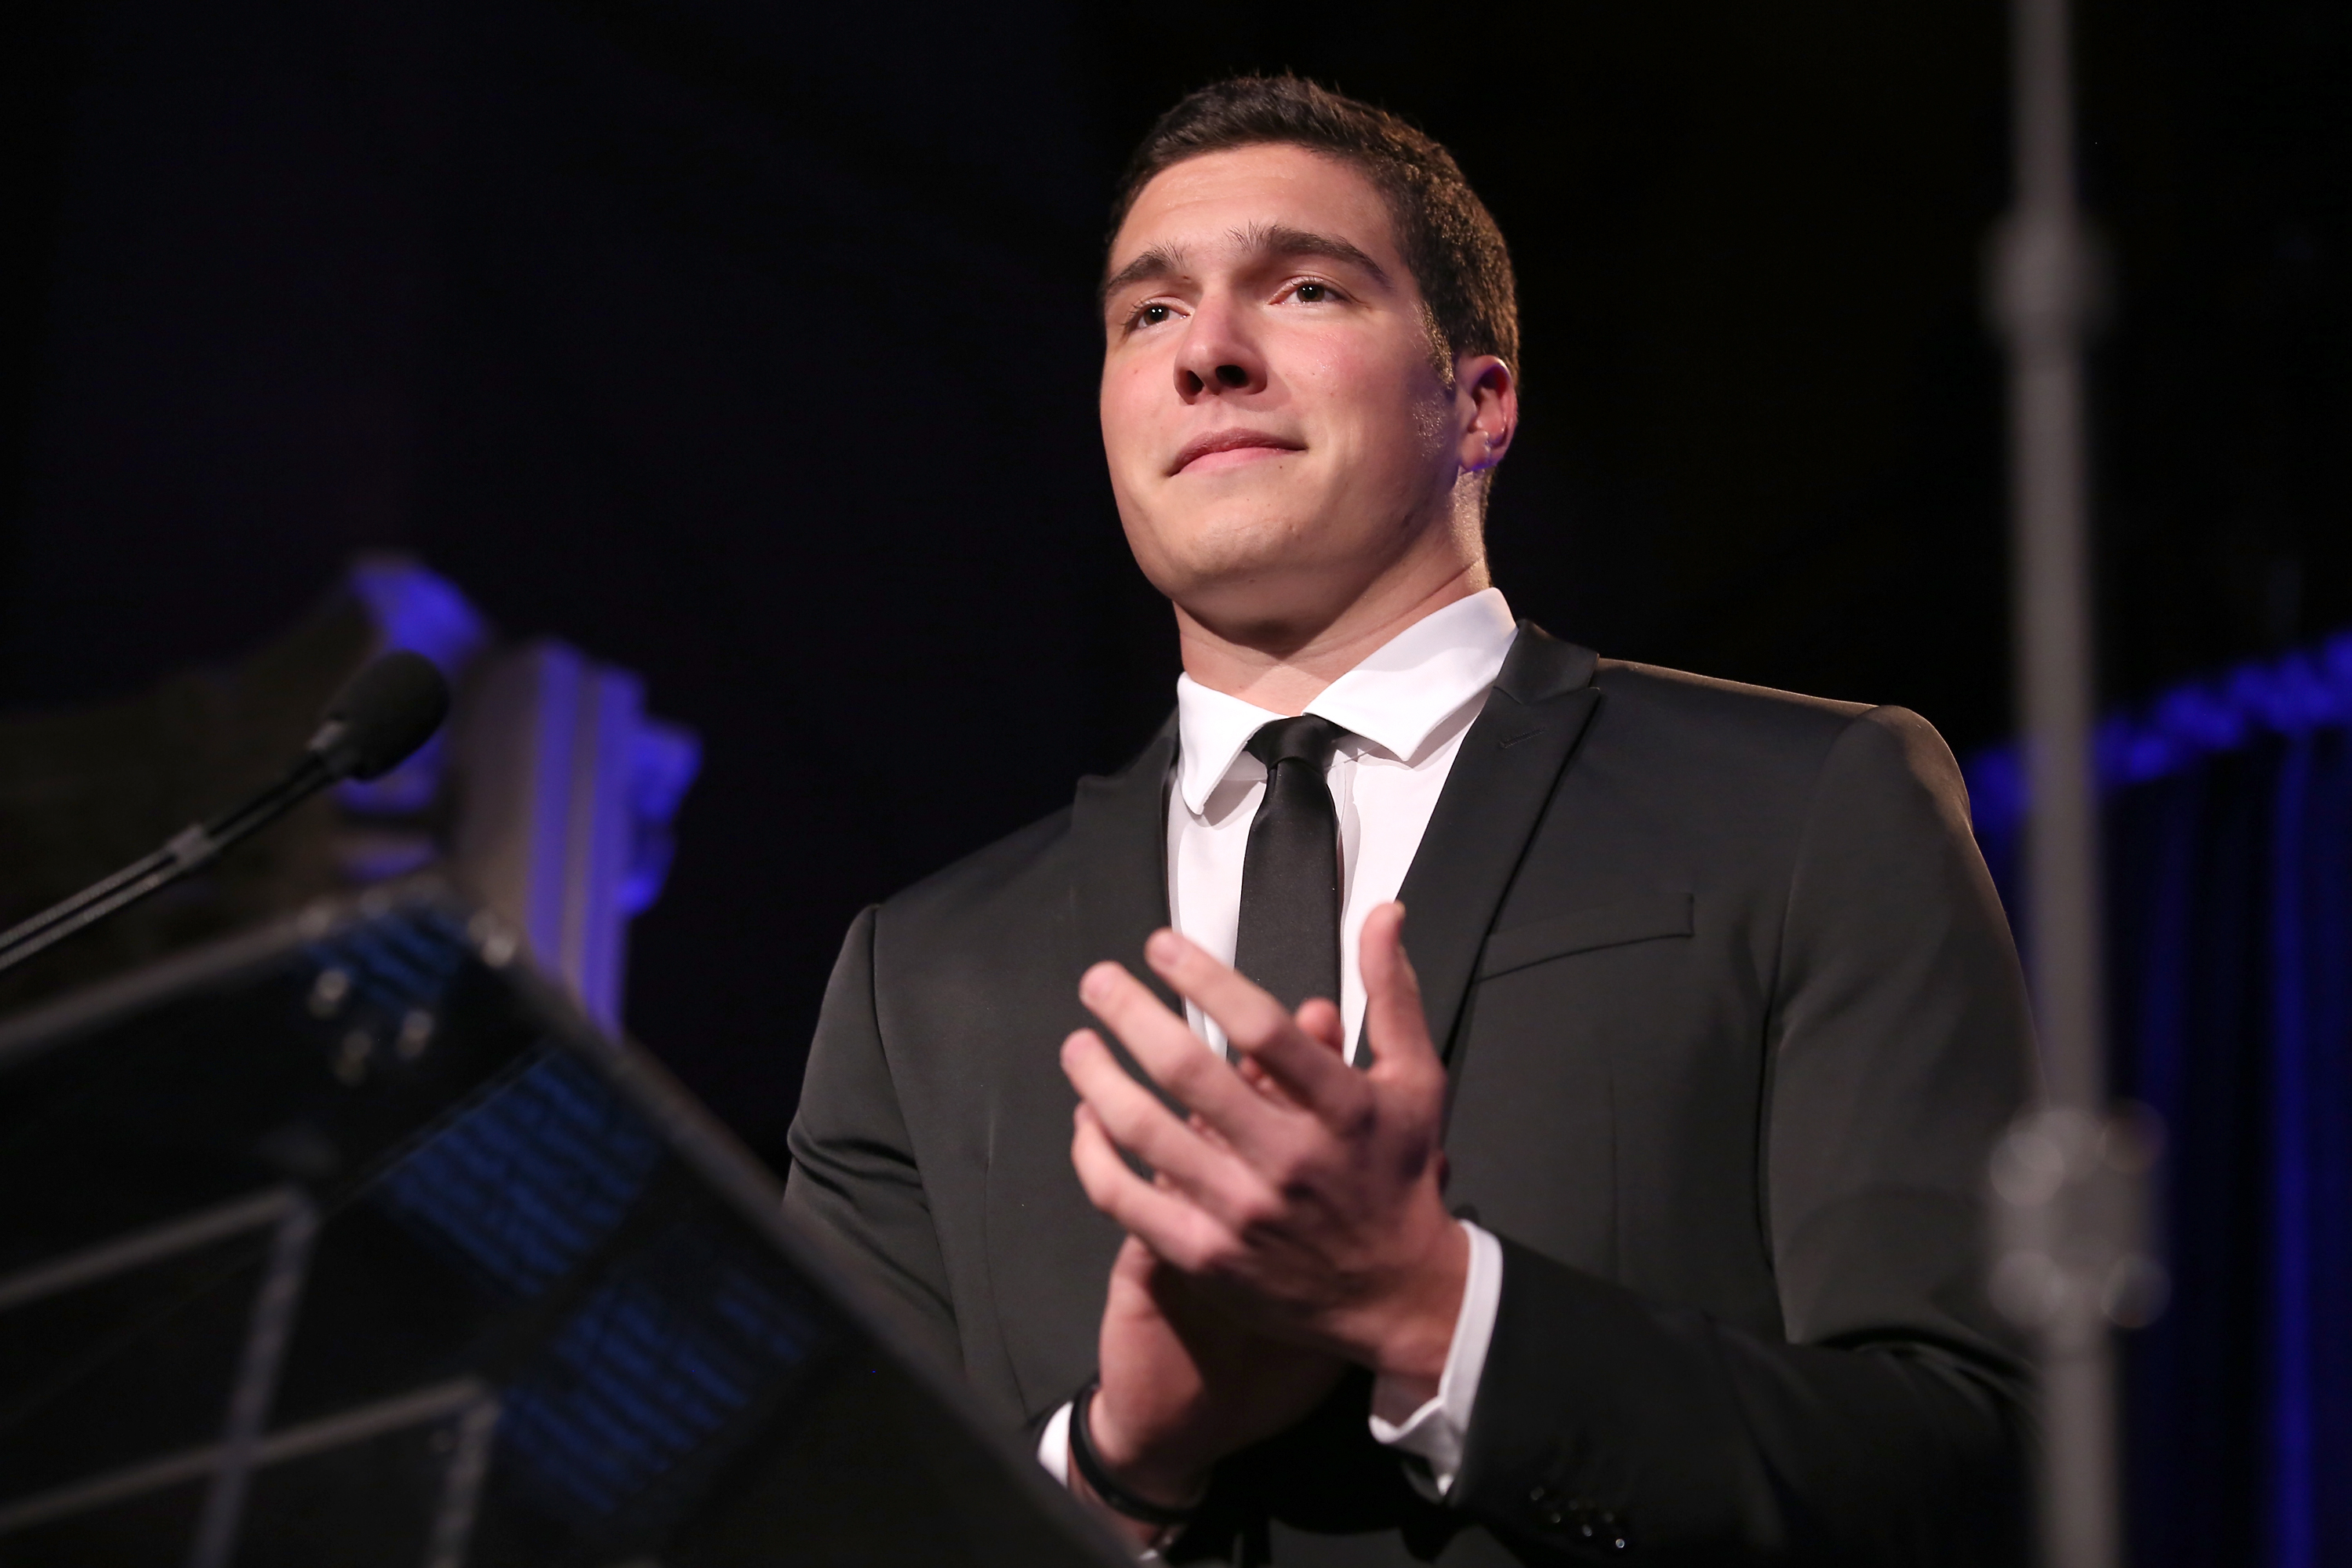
{"x":1152,"y":315}
{"x":1312,"y":293}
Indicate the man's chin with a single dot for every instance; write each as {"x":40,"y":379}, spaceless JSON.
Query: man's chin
{"x":1244,"y":532}
{"x":1236,"y":565}
{"x":1263,"y":602}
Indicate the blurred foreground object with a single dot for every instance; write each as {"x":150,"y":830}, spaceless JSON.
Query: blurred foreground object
{"x":2069,"y":1200}
{"x":351,"y":1241}
{"x":549,"y":796}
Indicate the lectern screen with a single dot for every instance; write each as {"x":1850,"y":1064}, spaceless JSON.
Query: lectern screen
{"x":353,"y":1244}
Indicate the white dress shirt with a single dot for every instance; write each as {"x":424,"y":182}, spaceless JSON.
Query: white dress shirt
{"x":1406,"y":706}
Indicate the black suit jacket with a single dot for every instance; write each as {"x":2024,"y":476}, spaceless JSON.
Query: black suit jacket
{"x":1732,"y":1017}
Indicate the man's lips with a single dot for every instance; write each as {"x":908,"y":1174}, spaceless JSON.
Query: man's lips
{"x":1218,"y":441}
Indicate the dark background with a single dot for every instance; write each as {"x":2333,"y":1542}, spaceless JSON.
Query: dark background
{"x":750,"y":347}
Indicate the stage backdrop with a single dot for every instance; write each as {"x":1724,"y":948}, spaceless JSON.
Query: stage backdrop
{"x":2228,"y":861}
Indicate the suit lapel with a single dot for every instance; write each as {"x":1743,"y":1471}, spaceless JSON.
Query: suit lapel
{"x":1050,"y":1250}
{"x":1118,"y":839}
{"x":1502,"y":777}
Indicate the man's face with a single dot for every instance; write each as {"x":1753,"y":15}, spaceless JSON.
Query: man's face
{"x":1279,"y":432}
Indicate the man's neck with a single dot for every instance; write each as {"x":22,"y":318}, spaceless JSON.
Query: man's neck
{"x":1283,"y":670}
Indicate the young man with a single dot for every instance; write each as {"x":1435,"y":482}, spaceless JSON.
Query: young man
{"x":1644,"y":1217}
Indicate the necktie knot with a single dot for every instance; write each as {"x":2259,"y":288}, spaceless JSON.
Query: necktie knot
{"x":1309,"y":738}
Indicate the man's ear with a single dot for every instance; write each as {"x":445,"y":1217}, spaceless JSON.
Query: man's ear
{"x":1486,"y":396}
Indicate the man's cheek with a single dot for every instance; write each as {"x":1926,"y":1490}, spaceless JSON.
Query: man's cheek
{"x":1340,"y":367}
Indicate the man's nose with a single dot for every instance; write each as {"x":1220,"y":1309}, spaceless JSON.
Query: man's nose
{"x":1218,"y":356}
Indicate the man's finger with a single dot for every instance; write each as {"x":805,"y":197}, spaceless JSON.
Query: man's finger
{"x":1320,"y":1020}
{"x":1173,"y":1227}
{"x":1257,"y":1025}
{"x":1396,"y":1029}
{"x":1164,"y":1046}
{"x":1208,"y":1172}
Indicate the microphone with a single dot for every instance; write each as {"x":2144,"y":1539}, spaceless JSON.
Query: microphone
{"x":386,"y":711}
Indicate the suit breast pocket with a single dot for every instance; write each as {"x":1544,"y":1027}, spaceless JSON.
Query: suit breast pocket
{"x":1646,"y":917}
{"x":1577,"y":1021}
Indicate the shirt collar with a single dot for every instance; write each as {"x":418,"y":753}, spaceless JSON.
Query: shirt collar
{"x":1401,"y":692}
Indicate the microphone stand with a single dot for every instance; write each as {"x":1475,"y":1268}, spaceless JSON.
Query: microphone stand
{"x":188,"y":850}
{"x":389,"y":710}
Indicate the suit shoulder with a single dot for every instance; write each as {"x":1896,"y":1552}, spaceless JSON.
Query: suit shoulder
{"x":1899,"y":750}
{"x":1726,"y":711}
{"x":1814,"y":737}
{"x":1709,"y":696}
{"x":986,"y":877}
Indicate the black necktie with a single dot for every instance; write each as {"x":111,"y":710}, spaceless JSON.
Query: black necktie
{"x":1288,"y":940}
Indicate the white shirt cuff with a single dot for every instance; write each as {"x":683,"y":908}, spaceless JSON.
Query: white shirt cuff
{"x":1054,"y":1445}
{"x":1437,"y":1431}
{"x":1054,"y":1453}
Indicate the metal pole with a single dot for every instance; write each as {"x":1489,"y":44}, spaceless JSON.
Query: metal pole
{"x":2068,"y":1181}
{"x":2044,"y":304}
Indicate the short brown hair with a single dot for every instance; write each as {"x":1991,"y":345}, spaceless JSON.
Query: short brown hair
{"x":1448,"y":238}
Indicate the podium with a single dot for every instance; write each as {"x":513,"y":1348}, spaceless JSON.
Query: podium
{"x":351,"y":1242}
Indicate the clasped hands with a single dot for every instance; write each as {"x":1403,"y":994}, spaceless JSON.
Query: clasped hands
{"x":1293,"y":1223}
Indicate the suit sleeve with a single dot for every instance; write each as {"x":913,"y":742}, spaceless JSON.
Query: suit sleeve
{"x":1887,"y":1427}
{"x":853,"y":1178}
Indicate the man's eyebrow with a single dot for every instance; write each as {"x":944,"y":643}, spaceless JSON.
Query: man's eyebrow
{"x":1260,"y":241}
{"x":1269,"y":239}
{"x":1157,"y":261}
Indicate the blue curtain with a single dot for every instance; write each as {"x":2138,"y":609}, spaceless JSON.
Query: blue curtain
{"x":2228,"y":827}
